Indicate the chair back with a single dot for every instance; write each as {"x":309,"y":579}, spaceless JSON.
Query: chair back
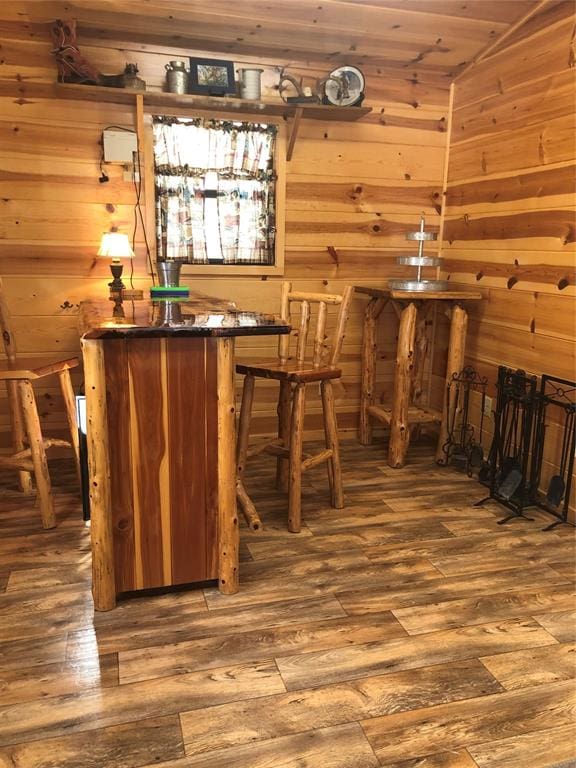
{"x":325,"y":351}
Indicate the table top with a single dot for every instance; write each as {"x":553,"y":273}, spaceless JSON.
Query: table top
{"x":173,"y":318}
{"x":386,"y":293}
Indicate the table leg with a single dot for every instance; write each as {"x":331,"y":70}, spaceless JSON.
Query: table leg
{"x":228,"y":532}
{"x":371,"y":315}
{"x":103,"y":581}
{"x":399,"y":427}
{"x":456,"y":347}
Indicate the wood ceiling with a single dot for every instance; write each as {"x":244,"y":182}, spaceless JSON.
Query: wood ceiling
{"x":435,"y":36}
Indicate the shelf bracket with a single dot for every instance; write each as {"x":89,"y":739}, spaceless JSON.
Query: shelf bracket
{"x":294,"y":132}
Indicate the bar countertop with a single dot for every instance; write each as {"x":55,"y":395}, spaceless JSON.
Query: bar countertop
{"x":197,"y":316}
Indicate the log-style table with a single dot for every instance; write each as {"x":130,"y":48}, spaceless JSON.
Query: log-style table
{"x":402,"y":415}
{"x":159,"y":379}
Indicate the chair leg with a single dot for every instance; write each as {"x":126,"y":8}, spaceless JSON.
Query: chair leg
{"x":18,"y":434}
{"x":245,"y":502}
{"x":70,"y":407}
{"x":331,"y":431}
{"x":39,"y":461}
{"x":284,"y":403}
{"x":296,"y":439}
{"x":244,"y":424}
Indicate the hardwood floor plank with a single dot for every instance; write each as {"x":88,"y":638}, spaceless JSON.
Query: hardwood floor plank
{"x":452,"y":726}
{"x":273,"y":716}
{"x":269,"y":581}
{"x":559,"y":746}
{"x":75,"y":713}
{"x":121,"y":746}
{"x":365,"y":537}
{"x":561,"y":625}
{"x":368,"y":599}
{"x":343,"y":746}
{"x":323,"y":667}
{"x":476,"y":545}
{"x":52,"y":576}
{"x":180,"y":658}
{"x":535,"y":666}
{"x":479,"y":610}
{"x":461,"y":564}
{"x":32,"y":651}
{"x":151,"y":631}
{"x":456,"y":759}
{"x":40,"y":682}
{"x":565,"y":568}
{"x":337,"y":520}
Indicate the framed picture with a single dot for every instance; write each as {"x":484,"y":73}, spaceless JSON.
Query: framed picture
{"x":212,"y":77}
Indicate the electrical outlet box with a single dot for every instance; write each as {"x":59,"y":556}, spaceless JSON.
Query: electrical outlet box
{"x":119,"y":146}
{"x":487,"y":406}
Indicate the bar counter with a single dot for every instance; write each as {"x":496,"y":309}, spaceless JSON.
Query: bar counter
{"x":159,"y":379}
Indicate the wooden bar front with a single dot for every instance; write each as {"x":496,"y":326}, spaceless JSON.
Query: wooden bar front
{"x":161,"y":435}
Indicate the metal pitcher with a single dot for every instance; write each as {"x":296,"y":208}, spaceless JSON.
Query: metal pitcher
{"x":177,"y":77}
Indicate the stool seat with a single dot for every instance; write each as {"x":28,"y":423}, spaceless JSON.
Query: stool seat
{"x":297,"y":373}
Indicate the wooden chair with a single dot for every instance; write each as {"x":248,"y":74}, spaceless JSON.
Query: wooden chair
{"x":29,"y":446}
{"x":294,"y":375}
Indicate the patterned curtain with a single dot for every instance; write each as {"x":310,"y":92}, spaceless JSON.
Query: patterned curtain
{"x":215,"y":185}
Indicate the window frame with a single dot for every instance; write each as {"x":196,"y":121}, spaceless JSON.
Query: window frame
{"x":221,"y":270}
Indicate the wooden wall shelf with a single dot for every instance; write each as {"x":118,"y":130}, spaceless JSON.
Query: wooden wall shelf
{"x":293,"y":112}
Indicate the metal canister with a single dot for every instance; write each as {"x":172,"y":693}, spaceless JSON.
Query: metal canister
{"x":177,"y":77}
{"x":250,"y":83}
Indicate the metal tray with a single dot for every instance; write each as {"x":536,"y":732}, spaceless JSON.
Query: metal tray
{"x":418,"y":285}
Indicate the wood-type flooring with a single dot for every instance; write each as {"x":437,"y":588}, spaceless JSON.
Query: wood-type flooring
{"x":408,"y":630}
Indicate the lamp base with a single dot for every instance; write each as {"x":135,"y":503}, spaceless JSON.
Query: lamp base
{"x":132,"y":294}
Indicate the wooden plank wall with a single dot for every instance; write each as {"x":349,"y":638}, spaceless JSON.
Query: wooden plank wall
{"x":351,"y":187}
{"x":510,"y":221}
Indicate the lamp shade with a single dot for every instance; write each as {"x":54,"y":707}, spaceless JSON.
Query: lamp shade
{"x":115,"y":245}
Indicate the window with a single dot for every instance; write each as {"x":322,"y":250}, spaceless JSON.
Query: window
{"x":215,"y":192}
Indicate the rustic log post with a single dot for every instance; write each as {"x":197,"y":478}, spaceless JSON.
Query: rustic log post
{"x":70,"y":408}
{"x":41,"y":474}
{"x":229,"y":536}
{"x":456,"y":348}
{"x":331,"y":431}
{"x":244,"y":423}
{"x":18,"y":433}
{"x":246,"y":504}
{"x":103,"y":582}
{"x":367,"y":375}
{"x":296,"y":439}
{"x":284,"y":416}
{"x":399,"y":426}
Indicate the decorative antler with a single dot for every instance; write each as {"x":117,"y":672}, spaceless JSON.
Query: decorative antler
{"x":286,"y":78}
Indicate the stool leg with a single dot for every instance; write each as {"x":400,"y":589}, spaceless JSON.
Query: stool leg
{"x":18,"y":434}
{"x":284,"y":402}
{"x":244,"y":423}
{"x":246,"y":504}
{"x":296,"y":438}
{"x":399,"y":427}
{"x":39,"y":461}
{"x":70,"y":407}
{"x":331,"y":431}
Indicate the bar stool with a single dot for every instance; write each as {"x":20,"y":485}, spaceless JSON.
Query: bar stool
{"x":28,"y":443}
{"x":294,"y":375}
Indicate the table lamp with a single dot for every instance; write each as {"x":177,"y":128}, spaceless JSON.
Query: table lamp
{"x":116,"y":246}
